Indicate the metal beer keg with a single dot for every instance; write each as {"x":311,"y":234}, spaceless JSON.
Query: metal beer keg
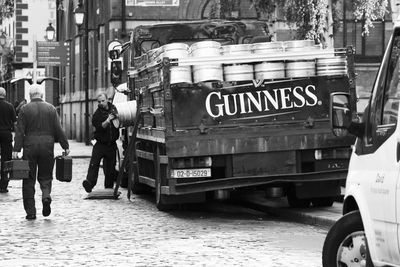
{"x":179,"y":74}
{"x":300,"y":68}
{"x":203,"y":73}
{"x":176,"y":50}
{"x":240,"y":72}
{"x":299,"y":45}
{"x":126,"y":114}
{"x":332,"y":66}
{"x":267,"y":47}
{"x":236,"y":50}
{"x":205,"y":49}
{"x":269,"y":70}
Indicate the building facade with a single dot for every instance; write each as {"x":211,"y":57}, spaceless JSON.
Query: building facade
{"x":23,"y":30}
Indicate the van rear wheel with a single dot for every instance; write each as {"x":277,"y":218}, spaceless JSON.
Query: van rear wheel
{"x":346,"y":243}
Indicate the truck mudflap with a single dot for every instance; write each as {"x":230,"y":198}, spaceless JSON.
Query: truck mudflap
{"x":248,"y":181}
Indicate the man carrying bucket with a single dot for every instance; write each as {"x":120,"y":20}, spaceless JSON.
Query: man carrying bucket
{"x":106,"y":135}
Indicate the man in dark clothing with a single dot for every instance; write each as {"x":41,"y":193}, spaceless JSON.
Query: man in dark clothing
{"x":105,"y":148}
{"x":38,"y":127}
{"x":7,"y":119}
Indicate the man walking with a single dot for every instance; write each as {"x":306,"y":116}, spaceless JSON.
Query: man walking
{"x":38,"y":127}
{"x":105,"y":148}
{"x":7,"y":119}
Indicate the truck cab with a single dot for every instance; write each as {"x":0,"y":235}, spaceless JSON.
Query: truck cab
{"x":368,"y":234}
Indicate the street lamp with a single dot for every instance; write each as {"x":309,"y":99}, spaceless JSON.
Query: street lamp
{"x":50,"y":32}
{"x":79,"y":13}
{"x":81,"y":18}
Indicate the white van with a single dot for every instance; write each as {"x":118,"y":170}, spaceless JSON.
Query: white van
{"x":368,"y":234}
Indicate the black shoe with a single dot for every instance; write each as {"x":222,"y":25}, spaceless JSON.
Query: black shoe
{"x":46,"y":207}
{"x":87,"y":185}
{"x":3,"y":190}
{"x":30,"y":217}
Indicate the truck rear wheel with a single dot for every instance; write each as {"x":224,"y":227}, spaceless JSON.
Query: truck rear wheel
{"x":323,"y":201}
{"x":346,"y":243}
{"x":296,"y":202}
{"x":161,"y":200}
{"x":138,"y":188}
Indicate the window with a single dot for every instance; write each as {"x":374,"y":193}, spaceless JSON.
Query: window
{"x":382,"y":112}
{"x":392,"y":89}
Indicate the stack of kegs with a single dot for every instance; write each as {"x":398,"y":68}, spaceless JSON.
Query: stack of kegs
{"x":237,"y":72}
{"x":206,"y":72}
{"x":269,"y":69}
{"x":179,"y":74}
{"x":302,"y":67}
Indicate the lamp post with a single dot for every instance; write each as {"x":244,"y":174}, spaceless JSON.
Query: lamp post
{"x":3,"y":41}
{"x":50,"y":32}
{"x":81,"y":18}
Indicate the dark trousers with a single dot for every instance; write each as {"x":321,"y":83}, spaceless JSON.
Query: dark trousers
{"x":39,"y":151}
{"x":6,"y":154}
{"x":107,"y":152}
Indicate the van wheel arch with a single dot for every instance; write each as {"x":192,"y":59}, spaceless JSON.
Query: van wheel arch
{"x":349,"y":205}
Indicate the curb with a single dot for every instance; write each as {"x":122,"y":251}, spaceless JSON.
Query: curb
{"x":291,"y":214}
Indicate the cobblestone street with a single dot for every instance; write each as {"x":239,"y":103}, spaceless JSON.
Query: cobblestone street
{"x":82,"y":232}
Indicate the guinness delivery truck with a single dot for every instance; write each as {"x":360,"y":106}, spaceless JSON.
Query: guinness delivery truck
{"x":218,"y":108}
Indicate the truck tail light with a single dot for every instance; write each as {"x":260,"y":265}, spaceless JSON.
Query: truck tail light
{"x":194,"y":162}
{"x":335,"y":153}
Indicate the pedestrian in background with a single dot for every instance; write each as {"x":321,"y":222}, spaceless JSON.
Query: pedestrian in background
{"x":38,"y":128}
{"x":20,"y":105}
{"x":7,"y":119}
{"x":106,"y":135}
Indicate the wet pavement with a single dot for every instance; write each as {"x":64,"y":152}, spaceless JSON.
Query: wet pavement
{"x":123,"y":232}
{"x":132,"y":232}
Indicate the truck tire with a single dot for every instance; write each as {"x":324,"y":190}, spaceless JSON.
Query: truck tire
{"x":296,"y":202}
{"x":138,"y":188}
{"x":323,"y":201}
{"x":339,"y":247}
{"x":161,"y":203}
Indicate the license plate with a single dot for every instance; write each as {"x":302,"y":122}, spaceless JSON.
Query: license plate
{"x":191,"y":173}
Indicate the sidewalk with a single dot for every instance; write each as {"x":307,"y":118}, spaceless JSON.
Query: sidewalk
{"x":322,"y":216}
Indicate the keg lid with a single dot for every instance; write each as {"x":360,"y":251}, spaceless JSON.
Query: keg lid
{"x":227,"y":49}
{"x":267,"y":46}
{"x":173,"y":46}
{"x":205,"y":44}
{"x":299,"y":43}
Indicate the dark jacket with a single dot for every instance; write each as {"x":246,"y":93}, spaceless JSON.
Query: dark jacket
{"x":106,"y":135}
{"x":38,"y":118}
{"x":7,"y":115}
